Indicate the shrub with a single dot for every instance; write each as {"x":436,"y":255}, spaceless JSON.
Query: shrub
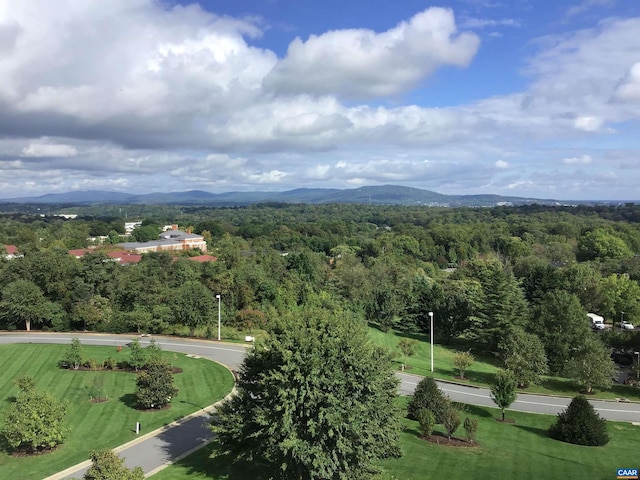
{"x":470,"y":427}
{"x":427,"y":421}
{"x":580,"y":424}
{"x":110,"y":364}
{"x":92,"y":364}
{"x":428,"y":395}
{"x":451,"y":420}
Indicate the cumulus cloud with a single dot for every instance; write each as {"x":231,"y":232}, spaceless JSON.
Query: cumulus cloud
{"x":363,"y":63}
{"x":501,"y":164}
{"x":629,"y":90}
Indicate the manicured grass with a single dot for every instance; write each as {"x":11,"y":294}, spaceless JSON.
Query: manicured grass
{"x":520,"y":450}
{"x":482,"y":371}
{"x":99,"y":425}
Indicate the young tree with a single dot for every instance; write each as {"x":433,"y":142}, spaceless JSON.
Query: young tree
{"x":137,"y":357}
{"x":503,"y":390}
{"x":591,"y":365}
{"x":153,"y":351}
{"x":427,"y":395}
{"x":451,"y":420}
{"x":580,"y":424}
{"x":462,"y":361}
{"x":523,"y":354}
{"x":74,"y":354}
{"x":155,"y":386}
{"x":107,"y":465}
{"x":407,"y":346}
{"x":427,"y":421}
{"x":35,"y":422}
{"x":470,"y":427}
{"x":316,"y":400}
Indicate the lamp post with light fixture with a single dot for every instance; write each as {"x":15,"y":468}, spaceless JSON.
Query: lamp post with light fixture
{"x":431,"y":331}
{"x":218,"y":297}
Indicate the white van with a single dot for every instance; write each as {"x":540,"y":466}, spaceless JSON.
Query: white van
{"x":597,"y":322}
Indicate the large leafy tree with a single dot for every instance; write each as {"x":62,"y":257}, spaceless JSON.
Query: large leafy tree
{"x":23,"y":302}
{"x":193,"y":305}
{"x":591,"y":365}
{"x":316,"y":400}
{"x":35,"y":422}
{"x":523,"y":354}
{"x":561,"y":324}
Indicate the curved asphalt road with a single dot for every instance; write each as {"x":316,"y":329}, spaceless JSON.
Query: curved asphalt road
{"x":155,"y":449}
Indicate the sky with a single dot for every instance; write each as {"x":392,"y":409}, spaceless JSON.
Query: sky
{"x":529,"y":98}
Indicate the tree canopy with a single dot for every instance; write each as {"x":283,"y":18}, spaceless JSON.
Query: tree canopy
{"x":316,"y":400}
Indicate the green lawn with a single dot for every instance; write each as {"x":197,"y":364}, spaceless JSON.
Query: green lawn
{"x":520,"y":450}
{"x":101,"y":425}
{"x":482,"y":371}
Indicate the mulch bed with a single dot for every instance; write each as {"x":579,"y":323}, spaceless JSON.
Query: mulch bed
{"x":506,"y":420}
{"x":441,"y":439}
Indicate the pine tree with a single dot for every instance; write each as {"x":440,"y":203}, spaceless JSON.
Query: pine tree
{"x":580,"y":424}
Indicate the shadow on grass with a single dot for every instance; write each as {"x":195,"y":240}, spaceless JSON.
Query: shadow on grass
{"x":130,"y":400}
{"x":210,"y":461}
{"x":541,"y":432}
{"x":476,"y":411}
{"x":470,"y":376}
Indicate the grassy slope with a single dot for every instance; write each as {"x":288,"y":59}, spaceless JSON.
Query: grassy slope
{"x":519,"y":450}
{"x":106,"y":424}
{"x":482,"y":371}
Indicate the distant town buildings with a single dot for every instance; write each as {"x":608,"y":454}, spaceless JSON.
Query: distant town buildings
{"x":171,"y":240}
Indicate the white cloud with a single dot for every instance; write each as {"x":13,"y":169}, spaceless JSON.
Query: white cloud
{"x":49,"y":150}
{"x":629,"y":90}
{"x":587,"y":5}
{"x":588,"y":123}
{"x":583,"y":160}
{"x":363,"y":63}
{"x":501,"y":164}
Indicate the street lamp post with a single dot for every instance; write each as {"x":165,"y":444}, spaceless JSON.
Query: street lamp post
{"x":218,"y":297}
{"x":621,"y":320}
{"x":431,"y":331}
{"x":638,"y":366}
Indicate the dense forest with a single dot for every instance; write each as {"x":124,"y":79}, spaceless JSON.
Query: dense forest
{"x":487,"y":274}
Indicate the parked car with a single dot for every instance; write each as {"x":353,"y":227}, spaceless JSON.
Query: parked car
{"x":625,"y":325}
{"x":624,"y":359}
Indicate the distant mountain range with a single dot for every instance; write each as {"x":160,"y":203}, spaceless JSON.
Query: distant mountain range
{"x":376,"y":195}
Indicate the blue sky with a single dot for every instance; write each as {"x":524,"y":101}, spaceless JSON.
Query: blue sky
{"x":526,"y":98}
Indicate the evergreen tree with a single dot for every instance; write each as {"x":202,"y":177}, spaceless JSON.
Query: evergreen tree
{"x":316,"y":400}
{"x":580,"y":424}
{"x":428,"y":395}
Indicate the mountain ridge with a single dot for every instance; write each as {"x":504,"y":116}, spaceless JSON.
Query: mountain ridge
{"x":372,"y":195}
